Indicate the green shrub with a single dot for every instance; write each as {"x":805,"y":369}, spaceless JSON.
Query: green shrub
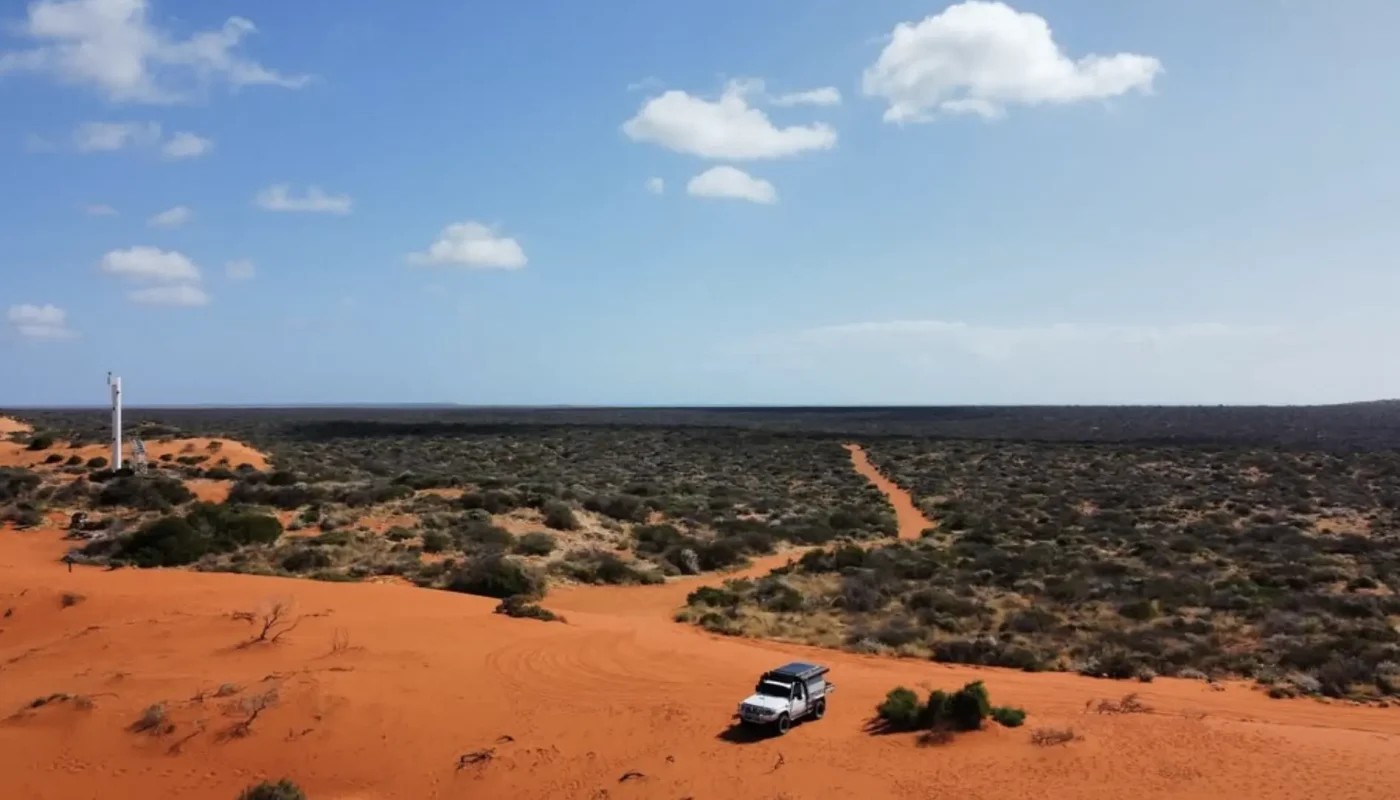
{"x":16,"y":483}
{"x":54,"y":458}
{"x":601,"y":567}
{"x":166,"y":542}
{"x":281,"y":790}
{"x":436,"y":541}
{"x":968,"y":706}
{"x":536,"y":543}
{"x":494,"y":575}
{"x":476,"y":535}
{"x":305,"y":559}
{"x":97,"y":462}
{"x":144,"y":492}
{"x":560,"y":516}
{"x":42,"y":441}
{"x":1009,"y":717}
{"x":900,"y":709}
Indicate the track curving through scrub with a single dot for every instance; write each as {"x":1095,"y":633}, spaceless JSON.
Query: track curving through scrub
{"x":551,"y":710}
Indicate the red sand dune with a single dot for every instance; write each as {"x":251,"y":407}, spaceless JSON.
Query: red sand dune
{"x":386,"y":687}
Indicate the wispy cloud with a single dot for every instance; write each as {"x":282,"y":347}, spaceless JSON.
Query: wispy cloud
{"x":316,"y":200}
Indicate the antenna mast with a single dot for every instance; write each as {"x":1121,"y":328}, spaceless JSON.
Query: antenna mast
{"x":115,"y":383}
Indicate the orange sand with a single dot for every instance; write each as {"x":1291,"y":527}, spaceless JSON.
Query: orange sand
{"x":13,"y":454}
{"x":422,"y":678}
{"x":9,"y":425}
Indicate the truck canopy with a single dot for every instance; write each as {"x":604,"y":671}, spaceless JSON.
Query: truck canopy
{"x":798,"y":671}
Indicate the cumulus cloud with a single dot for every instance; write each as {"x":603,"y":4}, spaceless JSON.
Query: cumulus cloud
{"x":825,"y":96}
{"x":472,"y":244}
{"x":40,"y":322}
{"x":172,"y":218}
{"x":240,"y":270}
{"x":114,"y":47}
{"x":149,"y":264}
{"x":95,"y":137}
{"x":184,"y":295}
{"x":726,"y":128}
{"x":726,"y":181}
{"x":99,"y":210}
{"x":280,"y":198}
{"x":979,"y":57}
{"x":186,"y":145}
{"x":656,"y":186}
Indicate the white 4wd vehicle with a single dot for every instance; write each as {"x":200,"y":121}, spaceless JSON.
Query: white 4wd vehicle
{"x":787,"y":694}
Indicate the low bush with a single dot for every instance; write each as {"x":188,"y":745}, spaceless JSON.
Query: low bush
{"x":281,"y":790}
{"x":97,"y":462}
{"x":436,"y":541}
{"x":900,"y":709}
{"x":537,"y":543}
{"x":41,"y":441}
{"x":494,"y":575}
{"x":144,"y":493}
{"x":16,"y":483}
{"x":560,"y":516}
{"x":963,"y":710}
{"x":601,"y":567}
{"x":1009,"y":717}
{"x":521,"y":607}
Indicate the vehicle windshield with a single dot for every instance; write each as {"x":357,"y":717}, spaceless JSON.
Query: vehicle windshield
{"x":772,"y":689}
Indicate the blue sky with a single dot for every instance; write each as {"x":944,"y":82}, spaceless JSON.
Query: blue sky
{"x":1056,"y":201}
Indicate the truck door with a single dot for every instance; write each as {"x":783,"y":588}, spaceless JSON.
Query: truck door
{"x":799,"y":699}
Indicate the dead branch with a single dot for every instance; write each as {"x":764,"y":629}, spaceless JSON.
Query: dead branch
{"x":476,"y":757}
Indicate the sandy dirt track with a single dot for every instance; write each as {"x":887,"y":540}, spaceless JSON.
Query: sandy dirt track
{"x":425,"y":677}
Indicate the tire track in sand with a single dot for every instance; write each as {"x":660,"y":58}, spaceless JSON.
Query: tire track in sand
{"x":912,"y":522}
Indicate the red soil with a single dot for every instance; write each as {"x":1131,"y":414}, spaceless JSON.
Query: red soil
{"x":13,"y":454}
{"x":422,"y":678}
{"x":912,"y":522}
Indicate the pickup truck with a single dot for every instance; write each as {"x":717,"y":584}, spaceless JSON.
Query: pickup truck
{"x":787,"y":694}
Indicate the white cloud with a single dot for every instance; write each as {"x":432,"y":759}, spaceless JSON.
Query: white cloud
{"x":472,"y":244}
{"x":99,"y":210}
{"x":149,"y":264}
{"x":40,"y":322}
{"x":979,"y":57}
{"x":280,"y":198}
{"x":734,"y":183}
{"x":172,"y":218}
{"x":656,"y":186}
{"x":113,"y":47}
{"x":93,"y":137}
{"x":825,"y":96}
{"x":180,"y":294}
{"x":186,"y":145}
{"x":1002,"y":341}
{"x":240,"y":270}
{"x":727,"y":128}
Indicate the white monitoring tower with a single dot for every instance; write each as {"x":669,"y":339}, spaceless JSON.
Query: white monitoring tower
{"x":115,"y":382}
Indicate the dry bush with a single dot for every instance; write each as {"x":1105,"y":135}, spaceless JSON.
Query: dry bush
{"x":1045,"y":737}
{"x":153,"y":721}
{"x":250,"y":708}
{"x":274,"y":622}
{"x":1127,"y":704}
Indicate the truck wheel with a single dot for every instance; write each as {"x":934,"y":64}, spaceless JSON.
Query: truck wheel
{"x":820,"y":710}
{"x":783,"y":724}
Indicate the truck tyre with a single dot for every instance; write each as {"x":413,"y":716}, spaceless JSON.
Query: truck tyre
{"x":820,"y":710}
{"x":783,"y":724}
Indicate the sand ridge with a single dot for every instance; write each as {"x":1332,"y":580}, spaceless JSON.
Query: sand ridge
{"x":382,"y":689}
